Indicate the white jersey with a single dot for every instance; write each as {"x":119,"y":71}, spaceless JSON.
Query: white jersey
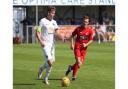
{"x":48,"y":29}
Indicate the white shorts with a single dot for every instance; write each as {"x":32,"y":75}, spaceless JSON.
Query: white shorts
{"x":49,"y":52}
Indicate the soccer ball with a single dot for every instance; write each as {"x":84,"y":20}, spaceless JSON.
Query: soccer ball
{"x":65,"y":82}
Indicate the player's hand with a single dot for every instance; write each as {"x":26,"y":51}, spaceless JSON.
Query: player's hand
{"x":84,"y":45}
{"x":72,"y":47}
{"x":42,"y":45}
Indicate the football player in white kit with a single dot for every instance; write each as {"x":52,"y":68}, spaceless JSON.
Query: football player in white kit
{"x":45,"y":34}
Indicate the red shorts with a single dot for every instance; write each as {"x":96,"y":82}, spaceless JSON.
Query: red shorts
{"x":80,"y":52}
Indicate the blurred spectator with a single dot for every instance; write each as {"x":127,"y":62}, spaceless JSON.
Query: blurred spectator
{"x":27,"y":21}
{"x":106,"y":20}
{"x":110,"y":30}
{"x":101,"y":32}
{"x":16,"y":28}
{"x":103,"y":28}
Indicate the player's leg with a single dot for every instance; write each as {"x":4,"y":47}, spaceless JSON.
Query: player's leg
{"x":76,"y":67}
{"x":50,"y":60}
{"x":68,"y":70}
{"x":71,"y":67}
{"x":51,"y":55}
{"x":48,"y":71}
{"x":79,"y":62}
{"x":44,"y":66}
{"x":83,"y":54}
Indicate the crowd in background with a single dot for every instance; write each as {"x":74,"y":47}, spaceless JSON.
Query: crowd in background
{"x":104,"y":28}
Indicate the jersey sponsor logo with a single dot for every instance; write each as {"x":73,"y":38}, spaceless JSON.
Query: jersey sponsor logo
{"x":50,"y":30}
{"x":83,"y":37}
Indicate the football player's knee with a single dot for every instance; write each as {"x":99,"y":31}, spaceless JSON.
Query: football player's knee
{"x":79,"y":63}
{"x":49,"y":63}
{"x":77,"y":59}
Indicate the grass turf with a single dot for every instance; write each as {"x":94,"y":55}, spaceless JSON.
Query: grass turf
{"x":98,"y":71}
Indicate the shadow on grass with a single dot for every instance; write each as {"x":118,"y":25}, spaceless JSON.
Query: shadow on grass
{"x":50,"y":79}
{"x":26,"y":84}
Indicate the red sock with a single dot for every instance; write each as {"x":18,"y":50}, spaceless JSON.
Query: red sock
{"x":73,"y":66}
{"x":75,"y":69}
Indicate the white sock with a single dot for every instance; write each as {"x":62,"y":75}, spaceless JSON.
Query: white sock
{"x":48,"y":71}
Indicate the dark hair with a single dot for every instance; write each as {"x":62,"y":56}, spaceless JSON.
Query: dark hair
{"x":86,"y":17}
{"x":51,"y":8}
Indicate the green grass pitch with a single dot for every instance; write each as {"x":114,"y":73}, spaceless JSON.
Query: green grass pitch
{"x":98,"y":71}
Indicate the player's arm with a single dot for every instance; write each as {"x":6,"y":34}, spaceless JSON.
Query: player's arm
{"x":87,"y":44}
{"x":73,"y":38}
{"x":72,"y":42}
{"x":90,"y":38}
{"x":39,"y":36}
{"x":57,"y":32}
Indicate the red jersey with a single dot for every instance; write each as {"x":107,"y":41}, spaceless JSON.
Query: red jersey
{"x":84,"y":35}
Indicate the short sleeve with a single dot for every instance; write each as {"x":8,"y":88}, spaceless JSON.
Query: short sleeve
{"x":74,"y":32}
{"x":41,"y":23}
{"x":55,"y":25}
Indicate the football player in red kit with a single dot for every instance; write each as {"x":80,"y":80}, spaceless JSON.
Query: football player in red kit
{"x":81,"y":38}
